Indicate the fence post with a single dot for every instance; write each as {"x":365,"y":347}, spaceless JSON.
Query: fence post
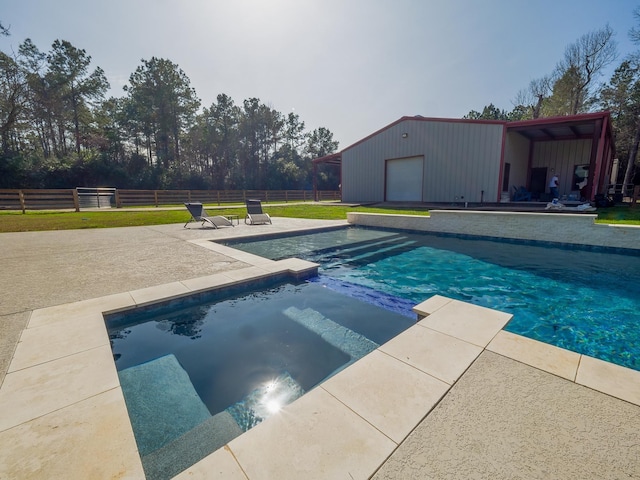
{"x":155,"y":198}
{"x":118,"y":204}
{"x":266,"y":195}
{"x":189,"y":195}
{"x":22,"y":204}
{"x":286,"y":196}
{"x":76,"y":200}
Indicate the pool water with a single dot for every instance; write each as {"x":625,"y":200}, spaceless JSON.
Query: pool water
{"x":582,"y":300}
{"x":196,"y":373}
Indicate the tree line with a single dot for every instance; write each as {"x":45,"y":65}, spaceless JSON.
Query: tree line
{"x":573,"y":88}
{"x":57,"y":130}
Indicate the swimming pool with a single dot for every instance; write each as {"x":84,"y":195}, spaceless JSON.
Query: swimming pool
{"x":198,"y":371}
{"x":584,"y":300}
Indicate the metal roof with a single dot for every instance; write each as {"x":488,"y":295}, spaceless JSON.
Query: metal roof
{"x":560,"y":128}
{"x":333,"y":159}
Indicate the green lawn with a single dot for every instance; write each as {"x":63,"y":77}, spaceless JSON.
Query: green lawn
{"x":620,"y":215}
{"x":11,"y":221}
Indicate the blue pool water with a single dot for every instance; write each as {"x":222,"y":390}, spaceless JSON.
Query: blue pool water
{"x":582,"y":300}
{"x":199,"y":371}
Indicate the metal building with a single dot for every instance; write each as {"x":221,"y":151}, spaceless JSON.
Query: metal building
{"x":418,"y":159}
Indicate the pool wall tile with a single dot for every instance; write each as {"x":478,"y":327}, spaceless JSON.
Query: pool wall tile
{"x":406,"y":393}
{"x":471,"y":323}
{"x":620,"y":382}
{"x":437,"y":354}
{"x":159,"y":292}
{"x":549,"y":358}
{"x":315,"y":437}
{"x":44,"y":388}
{"x":65,"y":337}
{"x":48,"y":446}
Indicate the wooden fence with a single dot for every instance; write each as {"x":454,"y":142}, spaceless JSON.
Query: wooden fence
{"x":69,"y":199}
{"x":39,"y":199}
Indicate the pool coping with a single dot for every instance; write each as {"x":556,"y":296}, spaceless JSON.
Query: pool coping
{"x":68,"y":415}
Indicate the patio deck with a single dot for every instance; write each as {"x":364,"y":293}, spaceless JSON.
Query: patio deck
{"x":511,"y":408}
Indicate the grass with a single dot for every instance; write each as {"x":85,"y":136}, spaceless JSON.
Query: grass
{"x":11,"y":221}
{"x":619,"y":215}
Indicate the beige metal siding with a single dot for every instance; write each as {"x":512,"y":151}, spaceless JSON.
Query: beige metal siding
{"x":461,"y":160}
{"x":516,"y":152}
{"x":562,"y":156}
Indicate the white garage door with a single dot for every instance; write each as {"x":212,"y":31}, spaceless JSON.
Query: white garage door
{"x":404,"y":179}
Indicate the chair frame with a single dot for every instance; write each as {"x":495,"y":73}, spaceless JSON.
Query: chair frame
{"x":199,"y":214}
{"x":255,"y":214}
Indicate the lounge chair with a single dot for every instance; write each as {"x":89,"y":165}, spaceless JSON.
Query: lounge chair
{"x":521,"y":194}
{"x":255,"y":215}
{"x":198,"y":214}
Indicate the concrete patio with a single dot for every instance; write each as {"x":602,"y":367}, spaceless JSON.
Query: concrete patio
{"x":497,"y":406}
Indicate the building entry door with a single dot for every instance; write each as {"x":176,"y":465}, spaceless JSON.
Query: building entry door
{"x":538,"y":182}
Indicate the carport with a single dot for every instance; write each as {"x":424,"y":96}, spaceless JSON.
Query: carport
{"x":334,"y":159}
{"x":553,"y":144}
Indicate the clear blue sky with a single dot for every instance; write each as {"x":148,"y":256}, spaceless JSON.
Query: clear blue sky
{"x":352,"y":66}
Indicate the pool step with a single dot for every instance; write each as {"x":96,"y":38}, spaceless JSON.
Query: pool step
{"x":162,"y":402}
{"x":345,"y":251}
{"x":353,"y":344}
{"x":190,"y":448}
{"x":372,"y":256}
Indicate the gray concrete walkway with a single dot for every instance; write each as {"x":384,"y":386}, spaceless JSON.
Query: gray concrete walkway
{"x":502,"y":419}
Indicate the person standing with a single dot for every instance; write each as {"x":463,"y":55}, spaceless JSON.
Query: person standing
{"x":553,"y":186}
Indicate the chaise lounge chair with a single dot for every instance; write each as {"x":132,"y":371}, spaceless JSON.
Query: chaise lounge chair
{"x":521,"y":194}
{"x":198,"y":214}
{"x":255,"y":215}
